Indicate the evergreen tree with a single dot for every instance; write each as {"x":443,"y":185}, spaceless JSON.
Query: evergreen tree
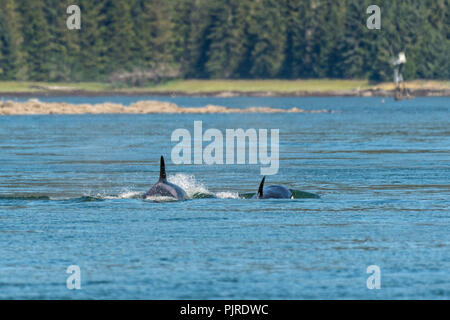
{"x":118,"y":35}
{"x":92,"y":39}
{"x":152,"y":29}
{"x":63,"y":46}
{"x":269,"y":34}
{"x":10,"y":39}
{"x":198,"y":41}
{"x":432,"y":48}
{"x":350,"y":46}
{"x":191,"y":25}
{"x":36,"y":39}
{"x":223,"y":38}
{"x":3,"y":61}
{"x":228,"y":38}
{"x":180,"y":17}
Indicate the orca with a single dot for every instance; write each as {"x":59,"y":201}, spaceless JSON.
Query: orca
{"x":164,"y":188}
{"x":273,"y":192}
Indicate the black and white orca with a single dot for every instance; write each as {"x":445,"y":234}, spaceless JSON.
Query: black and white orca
{"x":273,"y":192}
{"x":164,"y":188}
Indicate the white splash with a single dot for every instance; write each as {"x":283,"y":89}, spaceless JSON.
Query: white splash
{"x":160,"y":199}
{"x":191,"y":186}
{"x":188,"y":184}
{"x":125,"y":195}
{"x":227,"y":195}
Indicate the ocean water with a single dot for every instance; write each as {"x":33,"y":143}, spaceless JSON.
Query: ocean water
{"x":70,"y":188}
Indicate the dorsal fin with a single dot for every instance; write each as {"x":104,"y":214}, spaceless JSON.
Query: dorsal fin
{"x":261,"y":186}
{"x":162,"y":170}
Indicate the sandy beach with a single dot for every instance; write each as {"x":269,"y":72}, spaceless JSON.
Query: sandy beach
{"x":36,"y":107}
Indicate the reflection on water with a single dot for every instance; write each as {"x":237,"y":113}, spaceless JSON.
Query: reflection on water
{"x":71,"y":186}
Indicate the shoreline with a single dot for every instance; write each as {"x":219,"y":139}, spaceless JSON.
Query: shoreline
{"x":227,"y":88}
{"x":225,"y":94}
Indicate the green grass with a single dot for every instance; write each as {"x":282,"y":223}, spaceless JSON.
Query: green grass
{"x":18,"y":86}
{"x":212,"y":86}
{"x":284,"y":86}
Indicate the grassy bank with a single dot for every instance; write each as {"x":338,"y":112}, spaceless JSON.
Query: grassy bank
{"x":217,"y":87}
{"x":37,"y":87}
{"x":282,"y":86}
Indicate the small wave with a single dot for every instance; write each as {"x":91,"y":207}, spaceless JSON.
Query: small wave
{"x":86,"y":199}
{"x":193,"y":188}
{"x":304,"y":195}
{"x":126,"y":195}
{"x":24,"y":197}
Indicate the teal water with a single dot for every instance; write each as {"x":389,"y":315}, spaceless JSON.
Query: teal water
{"x":70,"y":189}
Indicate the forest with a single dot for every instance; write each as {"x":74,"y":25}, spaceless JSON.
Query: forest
{"x":222,"y":39}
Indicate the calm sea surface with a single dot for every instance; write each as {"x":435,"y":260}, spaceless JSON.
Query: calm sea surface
{"x":70,"y":189}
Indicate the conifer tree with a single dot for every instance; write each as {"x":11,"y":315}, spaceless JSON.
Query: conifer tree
{"x":92,"y":39}
{"x":10,"y":40}
{"x":269,"y":34}
{"x":36,"y":39}
{"x":223,"y":38}
{"x":152,"y":29}
{"x":228,"y":38}
{"x":118,"y":35}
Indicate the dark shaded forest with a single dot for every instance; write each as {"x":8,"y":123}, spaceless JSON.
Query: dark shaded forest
{"x":225,"y":39}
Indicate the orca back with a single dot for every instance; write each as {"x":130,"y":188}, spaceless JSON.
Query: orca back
{"x":272,"y":192}
{"x":163,"y":188}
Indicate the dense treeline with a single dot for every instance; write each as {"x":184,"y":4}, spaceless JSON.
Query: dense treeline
{"x":223,"y":38}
